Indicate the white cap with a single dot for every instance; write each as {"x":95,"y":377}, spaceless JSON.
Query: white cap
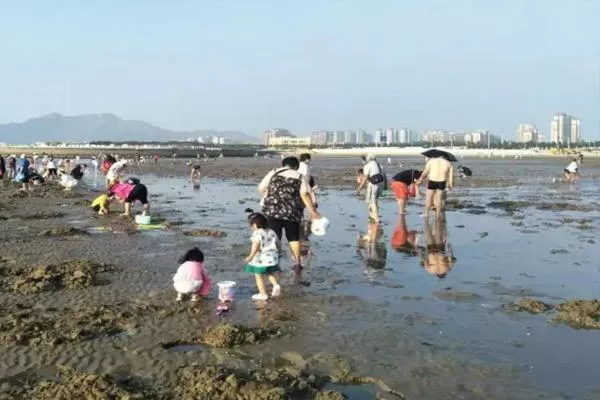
{"x":319,"y":227}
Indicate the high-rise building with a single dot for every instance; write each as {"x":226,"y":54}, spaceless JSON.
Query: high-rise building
{"x":414,"y":137}
{"x":350,"y":137}
{"x":275,"y":133}
{"x":338,"y":137}
{"x":379,"y":138}
{"x":361,"y":136}
{"x":575,"y":131}
{"x":565,"y":129}
{"x":527,"y":133}
{"x":319,"y":138}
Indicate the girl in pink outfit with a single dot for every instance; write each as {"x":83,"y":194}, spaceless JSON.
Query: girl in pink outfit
{"x":191,"y":277}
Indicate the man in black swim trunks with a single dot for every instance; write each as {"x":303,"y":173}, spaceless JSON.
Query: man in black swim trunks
{"x":440,"y":174}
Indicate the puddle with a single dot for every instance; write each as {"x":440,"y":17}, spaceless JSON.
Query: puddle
{"x":183,"y":348}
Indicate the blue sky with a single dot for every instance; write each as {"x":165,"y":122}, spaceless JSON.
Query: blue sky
{"x":304,"y":65}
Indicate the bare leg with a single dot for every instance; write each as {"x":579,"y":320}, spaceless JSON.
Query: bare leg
{"x":260,"y":284}
{"x":273,"y":280}
{"x":438,"y":200}
{"x":295,"y":249}
{"x":428,"y":202}
{"x":146,"y":209}
{"x":127,"y":212}
{"x":402,"y":206}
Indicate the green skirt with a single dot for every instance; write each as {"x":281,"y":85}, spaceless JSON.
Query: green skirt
{"x":254,"y":269}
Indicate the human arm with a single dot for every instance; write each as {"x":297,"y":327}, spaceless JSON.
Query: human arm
{"x":305,"y":194}
{"x":451,"y":177}
{"x":253,"y":250}
{"x":424,"y":174}
{"x":263,"y":186}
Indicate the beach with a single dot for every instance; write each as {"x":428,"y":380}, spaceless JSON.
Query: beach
{"x":103,"y":302}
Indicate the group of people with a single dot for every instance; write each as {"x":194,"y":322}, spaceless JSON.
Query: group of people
{"x":289,"y":203}
{"x":438,"y":171}
{"x":125,"y":191}
{"x":34,"y":170}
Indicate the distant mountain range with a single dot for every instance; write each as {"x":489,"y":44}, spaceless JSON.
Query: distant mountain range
{"x":95,"y":127}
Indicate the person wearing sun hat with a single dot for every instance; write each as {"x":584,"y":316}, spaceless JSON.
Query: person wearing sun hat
{"x":375,"y":181}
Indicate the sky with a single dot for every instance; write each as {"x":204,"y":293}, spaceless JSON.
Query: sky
{"x":304,"y":65}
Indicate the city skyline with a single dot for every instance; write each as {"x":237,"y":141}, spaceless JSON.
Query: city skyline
{"x":221,"y":65}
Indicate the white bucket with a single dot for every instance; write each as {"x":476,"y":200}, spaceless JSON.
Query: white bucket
{"x":226,"y":290}
{"x":318,"y":227}
{"x":143,"y":219}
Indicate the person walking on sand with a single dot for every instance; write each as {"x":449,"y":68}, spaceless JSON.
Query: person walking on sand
{"x":440,"y":175}
{"x":285,"y":191}
{"x":404,"y":186}
{"x":264,"y":256}
{"x":375,"y":181}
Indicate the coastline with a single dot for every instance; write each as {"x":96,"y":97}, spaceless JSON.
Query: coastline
{"x":457,"y":151}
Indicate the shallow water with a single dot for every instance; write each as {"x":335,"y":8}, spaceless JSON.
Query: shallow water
{"x":500,"y":257}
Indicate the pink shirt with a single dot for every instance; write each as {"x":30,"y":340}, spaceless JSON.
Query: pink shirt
{"x":122,"y":190}
{"x":192,"y":271}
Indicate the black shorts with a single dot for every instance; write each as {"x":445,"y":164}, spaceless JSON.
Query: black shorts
{"x":96,"y":208}
{"x":433,"y":185}
{"x":139,"y":193}
{"x":569,"y":172}
{"x":292,"y":229}
{"x":52,"y":172}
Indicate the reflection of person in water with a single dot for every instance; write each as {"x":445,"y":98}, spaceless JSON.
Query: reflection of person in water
{"x":375,"y":252}
{"x":403,"y":240}
{"x":438,"y":257}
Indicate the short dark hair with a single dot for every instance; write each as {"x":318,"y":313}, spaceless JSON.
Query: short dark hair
{"x":259,"y":220}
{"x":305,"y":156}
{"x":194,"y":254}
{"x":360,"y":171}
{"x":291,"y":162}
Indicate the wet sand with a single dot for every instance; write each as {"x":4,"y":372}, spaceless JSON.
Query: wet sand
{"x":100,"y":301}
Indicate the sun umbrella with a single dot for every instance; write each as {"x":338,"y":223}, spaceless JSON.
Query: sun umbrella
{"x":435,"y":153}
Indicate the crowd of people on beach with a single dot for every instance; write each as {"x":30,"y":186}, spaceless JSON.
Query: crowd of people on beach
{"x":288,"y":207}
{"x":34,"y":170}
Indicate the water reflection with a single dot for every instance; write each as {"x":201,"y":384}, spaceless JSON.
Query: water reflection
{"x":372,"y":250}
{"x":403,"y":240}
{"x":438,"y":256}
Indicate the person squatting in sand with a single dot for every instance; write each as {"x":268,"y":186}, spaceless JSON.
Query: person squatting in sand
{"x":191,"y":278}
{"x":264,"y":256}
{"x":101,"y":204}
{"x":440,"y":175}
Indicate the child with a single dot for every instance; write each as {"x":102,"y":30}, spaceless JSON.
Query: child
{"x":101,"y":204}
{"x":191,"y":277}
{"x":264,"y":256}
